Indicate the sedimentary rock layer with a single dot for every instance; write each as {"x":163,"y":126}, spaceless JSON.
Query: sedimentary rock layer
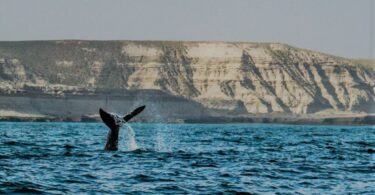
{"x":193,"y":80}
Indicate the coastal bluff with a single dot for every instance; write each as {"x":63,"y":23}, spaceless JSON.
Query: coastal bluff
{"x":180,"y":81}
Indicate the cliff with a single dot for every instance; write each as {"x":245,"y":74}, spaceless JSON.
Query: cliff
{"x":183,"y":81}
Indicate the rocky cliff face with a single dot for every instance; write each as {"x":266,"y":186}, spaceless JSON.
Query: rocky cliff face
{"x":224,"y":79}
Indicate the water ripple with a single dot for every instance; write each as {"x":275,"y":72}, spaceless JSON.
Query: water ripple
{"x":68,"y":158}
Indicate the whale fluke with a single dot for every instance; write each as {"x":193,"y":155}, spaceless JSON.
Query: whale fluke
{"x":114,"y":122}
{"x":134,"y":113}
{"x":107,"y":118}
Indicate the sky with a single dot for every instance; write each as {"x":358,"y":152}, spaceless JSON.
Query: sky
{"x":339,"y":27}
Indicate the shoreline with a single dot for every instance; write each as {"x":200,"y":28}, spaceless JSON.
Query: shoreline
{"x":352,"y":121}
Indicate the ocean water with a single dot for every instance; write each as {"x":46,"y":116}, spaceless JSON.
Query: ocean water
{"x":61,"y":158}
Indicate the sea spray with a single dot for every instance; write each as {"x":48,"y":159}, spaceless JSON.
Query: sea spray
{"x":161,"y":145}
{"x":162,"y":141}
{"x":164,"y":135}
{"x":165,"y":139}
{"x":131,"y":143}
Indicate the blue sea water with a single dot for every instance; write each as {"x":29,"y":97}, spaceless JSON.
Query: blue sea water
{"x":68,"y":158}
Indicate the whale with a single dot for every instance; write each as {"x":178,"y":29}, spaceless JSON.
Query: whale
{"x":114,"y":123}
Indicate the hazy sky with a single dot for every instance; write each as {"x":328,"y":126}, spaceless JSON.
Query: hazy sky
{"x":340,"y":27}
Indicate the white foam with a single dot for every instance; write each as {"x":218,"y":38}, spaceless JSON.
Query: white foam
{"x":160,"y":142}
{"x":131,"y":143}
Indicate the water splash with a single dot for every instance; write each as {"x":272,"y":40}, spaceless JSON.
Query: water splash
{"x":161,"y":145}
{"x":163,"y":133}
{"x":131,"y":143}
{"x":165,"y":138}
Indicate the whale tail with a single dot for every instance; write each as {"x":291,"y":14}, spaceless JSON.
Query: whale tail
{"x":114,"y":121}
{"x":134,"y":113}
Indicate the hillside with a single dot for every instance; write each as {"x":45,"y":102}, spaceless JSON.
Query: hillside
{"x":182,"y":81}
